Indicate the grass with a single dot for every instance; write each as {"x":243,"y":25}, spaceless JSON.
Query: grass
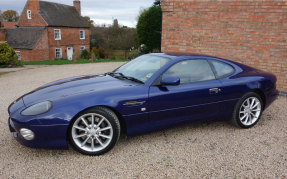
{"x":4,"y":73}
{"x":65,"y":62}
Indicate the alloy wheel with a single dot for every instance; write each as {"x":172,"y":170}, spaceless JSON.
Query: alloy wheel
{"x":92,"y":132}
{"x":250,"y":111}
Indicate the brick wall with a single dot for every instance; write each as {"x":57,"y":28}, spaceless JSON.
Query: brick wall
{"x":37,"y":20}
{"x":251,"y":32}
{"x":40,"y":52}
{"x":8,"y":25}
{"x":69,"y":37}
{"x":2,"y":35}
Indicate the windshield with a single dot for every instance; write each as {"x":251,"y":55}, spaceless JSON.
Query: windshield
{"x":143,"y":67}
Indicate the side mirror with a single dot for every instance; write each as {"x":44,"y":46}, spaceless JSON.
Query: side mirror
{"x":170,"y":81}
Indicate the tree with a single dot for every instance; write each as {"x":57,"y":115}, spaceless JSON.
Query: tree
{"x":0,"y":15}
{"x":90,"y":21}
{"x":113,"y":38}
{"x":157,"y":2}
{"x":0,"y":18}
{"x":149,"y":28}
{"x":10,"y":16}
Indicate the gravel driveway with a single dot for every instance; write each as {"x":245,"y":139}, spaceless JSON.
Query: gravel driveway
{"x":196,"y":150}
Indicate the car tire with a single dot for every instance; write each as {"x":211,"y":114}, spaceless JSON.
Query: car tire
{"x":98,"y":137}
{"x":248,"y":110}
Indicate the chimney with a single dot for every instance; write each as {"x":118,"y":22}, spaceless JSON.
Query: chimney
{"x":77,"y":5}
{"x":34,"y":5}
{"x":116,"y":23}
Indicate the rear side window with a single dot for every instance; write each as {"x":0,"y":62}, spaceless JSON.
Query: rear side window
{"x":222,"y":69}
{"x":190,"y":71}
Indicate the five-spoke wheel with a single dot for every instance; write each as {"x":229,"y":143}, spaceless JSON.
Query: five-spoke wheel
{"x":95,"y":131}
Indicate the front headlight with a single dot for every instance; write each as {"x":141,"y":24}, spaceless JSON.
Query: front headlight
{"x":37,"y":109}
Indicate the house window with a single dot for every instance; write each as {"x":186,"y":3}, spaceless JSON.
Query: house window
{"x":58,"y":53}
{"x":82,"y":34}
{"x":29,"y":14}
{"x":57,"y":34}
{"x":18,"y":54}
{"x":82,"y":48}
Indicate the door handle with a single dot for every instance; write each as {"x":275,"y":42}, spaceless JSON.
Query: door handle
{"x":214,"y":90}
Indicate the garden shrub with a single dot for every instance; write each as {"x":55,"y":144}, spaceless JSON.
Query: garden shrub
{"x":99,"y":52}
{"x":85,"y":54}
{"x":8,"y":56}
{"x":102,"y":52}
{"x":96,"y":52}
{"x":133,"y":54}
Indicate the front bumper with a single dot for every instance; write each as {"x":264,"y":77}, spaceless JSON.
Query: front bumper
{"x":46,"y":136}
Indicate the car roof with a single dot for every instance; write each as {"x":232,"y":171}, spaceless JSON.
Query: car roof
{"x":174,"y":55}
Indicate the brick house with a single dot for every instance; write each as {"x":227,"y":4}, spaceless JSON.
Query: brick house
{"x":47,"y":30}
{"x":251,"y":32}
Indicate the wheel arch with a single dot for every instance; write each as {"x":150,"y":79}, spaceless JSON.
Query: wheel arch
{"x":261,"y":94}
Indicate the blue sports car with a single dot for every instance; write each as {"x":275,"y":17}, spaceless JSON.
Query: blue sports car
{"x":149,"y":93}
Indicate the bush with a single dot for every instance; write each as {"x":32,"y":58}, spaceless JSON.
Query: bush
{"x":99,"y":52}
{"x":102,"y":52}
{"x":133,"y":54}
{"x":96,"y":52}
{"x":8,"y":56}
{"x":85,"y":54}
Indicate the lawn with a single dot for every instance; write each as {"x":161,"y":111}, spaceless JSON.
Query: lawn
{"x":64,"y":62}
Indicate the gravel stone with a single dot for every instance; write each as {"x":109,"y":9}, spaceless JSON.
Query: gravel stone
{"x":208,"y":150}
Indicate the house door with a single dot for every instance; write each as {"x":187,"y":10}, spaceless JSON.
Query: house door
{"x":69,"y":53}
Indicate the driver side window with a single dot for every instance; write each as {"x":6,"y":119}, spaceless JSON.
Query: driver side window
{"x":190,"y":71}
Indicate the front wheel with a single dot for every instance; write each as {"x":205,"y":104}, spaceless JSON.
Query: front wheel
{"x":95,"y":131}
{"x":248,"y":110}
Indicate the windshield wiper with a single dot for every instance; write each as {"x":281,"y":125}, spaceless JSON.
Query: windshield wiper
{"x":115,"y":74}
{"x":133,"y":79}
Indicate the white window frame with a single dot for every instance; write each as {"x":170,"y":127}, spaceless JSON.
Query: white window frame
{"x":18,"y":54}
{"x":55,"y":31}
{"x":61,"y":55}
{"x":84,"y":35}
{"x":29,"y":14}
{"x":82,"y":48}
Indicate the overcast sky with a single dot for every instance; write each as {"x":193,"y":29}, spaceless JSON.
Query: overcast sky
{"x":101,"y":11}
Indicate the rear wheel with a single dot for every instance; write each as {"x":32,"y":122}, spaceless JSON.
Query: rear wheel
{"x":248,"y":110}
{"x":95,"y":131}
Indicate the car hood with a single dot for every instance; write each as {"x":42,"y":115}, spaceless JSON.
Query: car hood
{"x":74,"y":86}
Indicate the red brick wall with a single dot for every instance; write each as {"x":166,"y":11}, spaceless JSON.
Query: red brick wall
{"x":37,"y":20}
{"x":8,"y":25}
{"x":40,"y":52}
{"x":69,"y":37}
{"x":2,"y":35}
{"x":251,"y":32}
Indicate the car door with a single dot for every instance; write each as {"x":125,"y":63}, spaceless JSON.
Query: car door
{"x":196,"y":98}
{"x":231,"y":89}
